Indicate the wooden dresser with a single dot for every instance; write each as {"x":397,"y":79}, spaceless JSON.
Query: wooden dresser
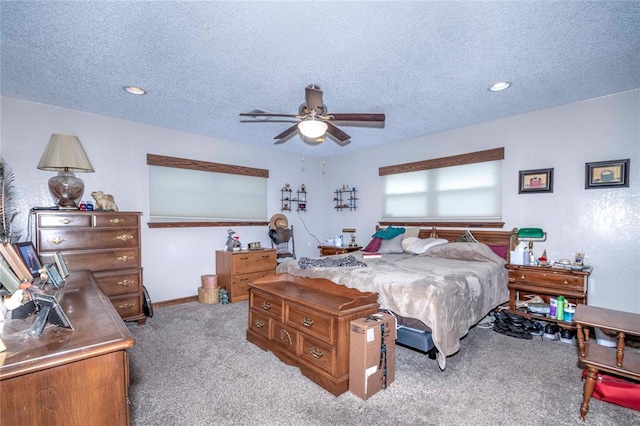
{"x":237,"y":269}
{"x":68,"y":377}
{"x":305,"y":322}
{"x":106,"y":243}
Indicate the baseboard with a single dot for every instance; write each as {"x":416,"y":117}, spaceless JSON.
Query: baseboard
{"x":175,"y":301}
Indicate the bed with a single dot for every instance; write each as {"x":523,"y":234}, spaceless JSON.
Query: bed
{"x":443,"y":291}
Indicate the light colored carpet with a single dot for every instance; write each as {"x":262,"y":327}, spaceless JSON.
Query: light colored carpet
{"x":191,"y":365}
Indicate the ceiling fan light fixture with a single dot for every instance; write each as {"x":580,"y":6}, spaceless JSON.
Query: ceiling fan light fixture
{"x":312,"y":128}
{"x":134,"y":90}
{"x":499,"y":86}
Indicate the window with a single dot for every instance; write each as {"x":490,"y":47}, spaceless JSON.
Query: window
{"x":460,"y":188}
{"x":186,"y":191}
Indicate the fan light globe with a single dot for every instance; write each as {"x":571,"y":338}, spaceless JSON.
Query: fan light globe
{"x":312,"y":128}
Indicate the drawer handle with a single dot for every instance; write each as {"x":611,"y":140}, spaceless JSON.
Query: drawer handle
{"x":244,"y":258}
{"x":124,"y":237}
{"x":125,"y":283}
{"x":116,"y":220}
{"x":266,"y":306}
{"x":57,"y":240}
{"x":126,"y":306}
{"x":65,"y":220}
{"x":307,"y":322}
{"x":315,"y":352}
{"x":258,"y":323}
{"x":566,"y":281}
{"x":522,"y":277}
{"x":124,"y":259}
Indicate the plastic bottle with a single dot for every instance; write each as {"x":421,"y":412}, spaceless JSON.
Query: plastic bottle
{"x":341,"y":240}
{"x":560,"y":309}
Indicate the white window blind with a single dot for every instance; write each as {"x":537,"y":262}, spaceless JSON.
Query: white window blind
{"x":181,"y":190}
{"x":463,"y":192}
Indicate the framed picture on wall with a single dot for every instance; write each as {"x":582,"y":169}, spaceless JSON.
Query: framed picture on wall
{"x":607,"y":174}
{"x":533,"y":181}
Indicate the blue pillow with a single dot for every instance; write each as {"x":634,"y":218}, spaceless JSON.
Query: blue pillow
{"x":389,"y":233}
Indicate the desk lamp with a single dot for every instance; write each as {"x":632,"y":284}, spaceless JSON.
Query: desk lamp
{"x":65,"y":154}
{"x":531,"y":235}
{"x":351,"y":231}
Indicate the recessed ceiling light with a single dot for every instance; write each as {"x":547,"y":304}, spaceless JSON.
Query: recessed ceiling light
{"x":499,"y":86}
{"x":134,"y":90}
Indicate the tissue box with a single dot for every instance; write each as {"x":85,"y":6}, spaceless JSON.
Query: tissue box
{"x":365,"y":344}
{"x":519,"y":257}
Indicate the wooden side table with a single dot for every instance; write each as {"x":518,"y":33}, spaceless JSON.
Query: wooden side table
{"x":600,"y":358}
{"x":330,"y":250}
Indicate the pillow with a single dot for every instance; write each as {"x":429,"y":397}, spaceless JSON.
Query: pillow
{"x":389,"y":233}
{"x":466,"y":251}
{"x":373,"y":245}
{"x":466,"y":237}
{"x":406,"y":242}
{"x":394,"y":245}
{"x":411,"y":232}
{"x":499,"y":250}
{"x":421,"y":246}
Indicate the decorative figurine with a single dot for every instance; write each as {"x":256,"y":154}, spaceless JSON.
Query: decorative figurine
{"x":104,"y":201}
{"x":233,"y":240}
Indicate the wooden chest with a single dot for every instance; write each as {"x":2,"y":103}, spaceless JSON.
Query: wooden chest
{"x":305,"y":322}
{"x":237,"y":269}
{"x":105,"y":243}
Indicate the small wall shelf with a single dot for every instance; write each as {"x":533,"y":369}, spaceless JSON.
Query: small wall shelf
{"x":290,"y":199}
{"x":346,"y":198}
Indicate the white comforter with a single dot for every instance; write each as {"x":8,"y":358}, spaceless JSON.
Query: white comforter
{"x":450,"y":288}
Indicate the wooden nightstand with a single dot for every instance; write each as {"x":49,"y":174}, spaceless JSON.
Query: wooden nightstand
{"x":329,"y":250}
{"x":546,"y":282}
{"x":237,"y":269}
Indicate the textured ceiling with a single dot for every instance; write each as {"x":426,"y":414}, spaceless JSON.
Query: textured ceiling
{"x":426,"y":65}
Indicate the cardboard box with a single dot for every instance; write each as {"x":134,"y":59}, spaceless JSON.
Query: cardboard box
{"x":366,"y":375}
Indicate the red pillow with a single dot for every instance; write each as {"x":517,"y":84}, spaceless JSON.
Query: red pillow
{"x":373,"y":246}
{"x":499,"y":250}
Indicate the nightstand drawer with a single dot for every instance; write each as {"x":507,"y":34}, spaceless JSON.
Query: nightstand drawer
{"x":240,"y":283}
{"x":548,"y":279}
{"x":311,"y":322}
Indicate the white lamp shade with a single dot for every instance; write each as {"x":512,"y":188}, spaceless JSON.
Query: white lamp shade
{"x":312,"y":128}
{"x":65,"y":152}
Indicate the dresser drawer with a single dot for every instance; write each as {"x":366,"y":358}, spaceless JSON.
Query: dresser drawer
{"x":311,"y":322}
{"x":240,"y":283}
{"x":106,"y":220}
{"x":128,"y":306}
{"x":70,"y":220}
{"x":245,"y":263}
{"x":285,"y":337}
{"x":317,"y":352}
{"x":98,"y":260}
{"x":81,"y":239}
{"x":259,"y":323}
{"x":115,"y":283}
{"x":549,"y":279}
{"x":267,"y":304}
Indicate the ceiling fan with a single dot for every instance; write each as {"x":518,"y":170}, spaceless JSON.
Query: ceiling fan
{"x":315,"y":121}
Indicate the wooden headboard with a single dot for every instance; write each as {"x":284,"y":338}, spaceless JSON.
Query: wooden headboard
{"x":488,"y":237}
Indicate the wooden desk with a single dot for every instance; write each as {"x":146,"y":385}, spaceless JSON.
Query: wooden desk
{"x":600,"y":358}
{"x":331,"y":250}
{"x":68,"y":377}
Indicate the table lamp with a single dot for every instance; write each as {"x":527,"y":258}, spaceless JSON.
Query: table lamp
{"x":531,"y":235}
{"x":351,"y":231}
{"x":65,"y":154}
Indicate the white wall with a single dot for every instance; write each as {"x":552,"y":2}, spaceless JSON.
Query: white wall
{"x":173,"y":259}
{"x":602,"y":223}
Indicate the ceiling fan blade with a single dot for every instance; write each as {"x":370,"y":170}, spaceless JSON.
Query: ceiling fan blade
{"x":287,"y":132}
{"x":313,"y":96}
{"x":337,"y":133}
{"x":356,"y":117}
{"x":266,"y":114}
